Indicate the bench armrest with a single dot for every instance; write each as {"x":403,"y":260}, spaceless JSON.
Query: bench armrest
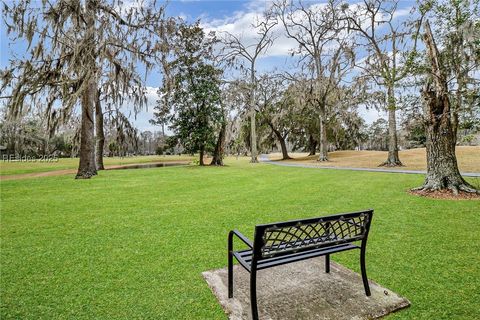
{"x":240,"y":236}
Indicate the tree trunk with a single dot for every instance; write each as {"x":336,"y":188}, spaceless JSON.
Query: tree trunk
{"x":100,"y":135}
{"x":253,"y":124}
{"x":253,"y":136}
{"x":87,"y":168}
{"x":281,"y":139}
{"x":323,"y":152}
{"x":163,"y":140}
{"x":312,"y":144}
{"x":202,"y":152}
{"x":442,"y":168}
{"x":393,"y":159}
{"x":219,"y":147}
{"x":458,"y":102}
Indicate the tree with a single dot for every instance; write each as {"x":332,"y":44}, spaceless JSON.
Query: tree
{"x":73,"y":46}
{"x":195,"y":96}
{"x":122,"y":133}
{"x":275,"y":106}
{"x":23,"y":138}
{"x":231,"y":99}
{"x":385,"y":62}
{"x":167,"y":49}
{"x":219,"y":151}
{"x":378,"y":135}
{"x":323,"y":47}
{"x":305,"y":125}
{"x":146,"y":138}
{"x":456,"y":26}
{"x":346,"y":127}
{"x":249,"y":53}
{"x":99,"y":133}
{"x":235,"y":101}
{"x":161,"y":112}
{"x":442,"y":167}
{"x":414,"y":130}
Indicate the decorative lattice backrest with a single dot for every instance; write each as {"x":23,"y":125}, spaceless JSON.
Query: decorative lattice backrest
{"x":300,"y":235}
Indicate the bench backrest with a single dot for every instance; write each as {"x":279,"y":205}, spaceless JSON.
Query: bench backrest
{"x":289,"y":237}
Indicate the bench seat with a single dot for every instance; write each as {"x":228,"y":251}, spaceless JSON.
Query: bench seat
{"x":244,"y":257}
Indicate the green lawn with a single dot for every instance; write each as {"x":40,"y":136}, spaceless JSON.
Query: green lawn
{"x":132,"y":244}
{"x":19,"y":167}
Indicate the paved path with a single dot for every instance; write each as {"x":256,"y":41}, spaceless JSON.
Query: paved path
{"x":264,"y":158}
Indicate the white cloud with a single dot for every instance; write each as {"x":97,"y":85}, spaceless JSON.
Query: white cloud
{"x":370,"y":115}
{"x":142,"y":118}
{"x":399,"y":13}
{"x":240,"y":24}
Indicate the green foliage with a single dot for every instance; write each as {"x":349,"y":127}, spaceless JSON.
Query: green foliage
{"x":414,"y":128}
{"x":159,"y":151}
{"x":378,"y":135}
{"x":29,"y":137}
{"x":113,"y":147}
{"x":23,"y":137}
{"x":416,"y":135}
{"x":468,"y":139}
{"x":347,"y":131}
{"x":195,"y":96}
{"x":171,"y":143}
{"x":137,"y":248}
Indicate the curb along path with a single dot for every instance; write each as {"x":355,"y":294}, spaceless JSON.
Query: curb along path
{"x":264,"y":158}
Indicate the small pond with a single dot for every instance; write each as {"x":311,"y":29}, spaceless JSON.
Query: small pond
{"x":149,"y":165}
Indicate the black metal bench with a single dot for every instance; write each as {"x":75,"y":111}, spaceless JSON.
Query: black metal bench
{"x":284,"y":242}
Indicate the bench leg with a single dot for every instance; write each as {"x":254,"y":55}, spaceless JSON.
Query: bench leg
{"x":230,"y":274}
{"x":327,"y":263}
{"x":230,"y":264}
{"x":253,"y":294}
{"x":364,"y":271}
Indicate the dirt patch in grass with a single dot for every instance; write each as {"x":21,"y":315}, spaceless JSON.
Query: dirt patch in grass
{"x":38,"y":174}
{"x":446,"y":195}
{"x":412,"y":159}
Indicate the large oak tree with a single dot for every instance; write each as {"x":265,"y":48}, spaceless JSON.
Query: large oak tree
{"x":72,"y":47}
{"x":446,"y":88}
{"x":247,"y":55}
{"x":324,"y":48}
{"x":386,"y":62}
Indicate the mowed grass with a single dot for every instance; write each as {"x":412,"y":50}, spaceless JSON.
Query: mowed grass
{"x":468,"y":158}
{"x":131,"y":244}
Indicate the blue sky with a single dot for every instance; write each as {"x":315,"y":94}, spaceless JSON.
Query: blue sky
{"x":232,"y":15}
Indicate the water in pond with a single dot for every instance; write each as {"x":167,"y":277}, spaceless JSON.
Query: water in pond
{"x":149,"y":165}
